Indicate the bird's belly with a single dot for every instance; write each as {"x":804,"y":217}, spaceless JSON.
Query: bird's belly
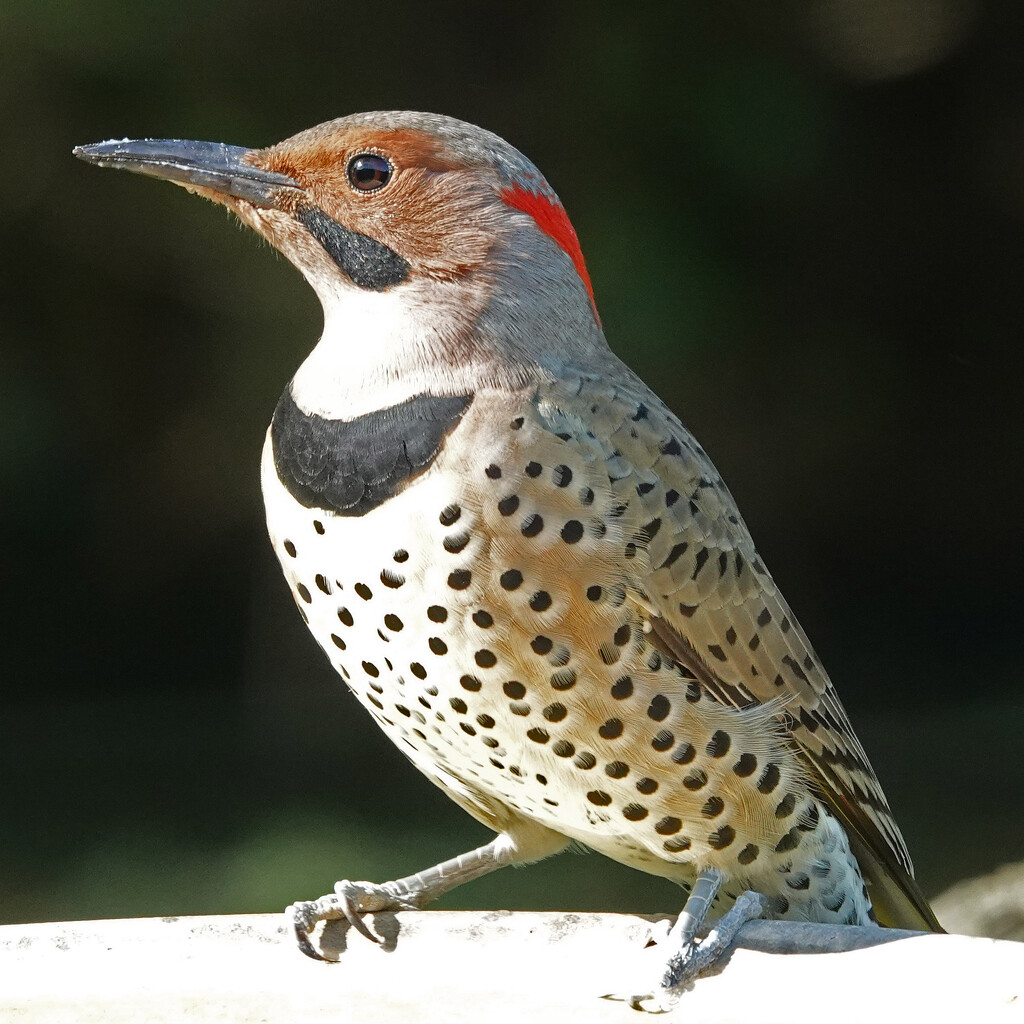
{"x":518,"y":677}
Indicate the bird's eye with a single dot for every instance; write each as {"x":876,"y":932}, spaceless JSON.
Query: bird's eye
{"x":369,"y":172}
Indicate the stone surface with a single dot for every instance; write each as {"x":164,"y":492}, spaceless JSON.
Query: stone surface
{"x":492,"y":966}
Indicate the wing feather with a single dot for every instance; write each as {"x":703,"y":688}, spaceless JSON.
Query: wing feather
{"x":713,"y":606}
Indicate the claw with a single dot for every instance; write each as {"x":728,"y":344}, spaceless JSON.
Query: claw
{"x":307,"y":947}
{"x":301,"y":925}
{"x":354,"y":917}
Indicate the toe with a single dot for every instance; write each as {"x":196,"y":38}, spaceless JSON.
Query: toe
{"x":350,"y":897}
{"x":302,"y":918}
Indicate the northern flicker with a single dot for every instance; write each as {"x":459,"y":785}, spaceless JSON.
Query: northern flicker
{"x":520,"y":561}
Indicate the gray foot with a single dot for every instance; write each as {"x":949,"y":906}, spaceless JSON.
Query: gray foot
{"x":685,"y":963}
{"x":350,"y":900}
{"x":353,"y":899}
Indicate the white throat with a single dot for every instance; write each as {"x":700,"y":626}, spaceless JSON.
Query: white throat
{"x":381,"y":348}
{"x":355,"y":366}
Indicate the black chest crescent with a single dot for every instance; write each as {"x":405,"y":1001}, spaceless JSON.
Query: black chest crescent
{"x":349,"y":467}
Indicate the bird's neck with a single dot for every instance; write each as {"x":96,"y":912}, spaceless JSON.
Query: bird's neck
{"x":506,"y":330}
{"x":382,"y":348}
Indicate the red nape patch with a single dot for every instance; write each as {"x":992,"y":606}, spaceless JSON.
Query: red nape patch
{"x":552,"y":219}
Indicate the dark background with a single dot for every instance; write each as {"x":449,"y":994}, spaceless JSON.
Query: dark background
{"x":805,"y":226}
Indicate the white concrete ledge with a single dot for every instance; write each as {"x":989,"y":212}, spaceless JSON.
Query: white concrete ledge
{"x":456,"y":967}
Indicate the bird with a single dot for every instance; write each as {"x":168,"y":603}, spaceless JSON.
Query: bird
{"x":522,"y":564}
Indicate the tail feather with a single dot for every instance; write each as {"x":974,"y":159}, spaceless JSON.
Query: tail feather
{"x":895,"y":895}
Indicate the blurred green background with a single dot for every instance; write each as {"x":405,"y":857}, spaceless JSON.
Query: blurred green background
{"x":805,"y":225}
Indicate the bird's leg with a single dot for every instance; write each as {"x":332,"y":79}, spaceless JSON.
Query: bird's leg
{"x":353,"y":899}
{"x":688,"y":958}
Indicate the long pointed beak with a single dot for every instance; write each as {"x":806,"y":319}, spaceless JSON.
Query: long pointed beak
{"x":209,"y":165}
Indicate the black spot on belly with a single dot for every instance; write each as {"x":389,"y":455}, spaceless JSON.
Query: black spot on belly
{"x":367,"y":262}
{"x":622,"y":688}
{"x":748,"y":854}
{"x":349,"y":467}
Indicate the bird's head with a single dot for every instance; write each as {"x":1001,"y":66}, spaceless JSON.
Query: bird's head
{"x":435,"y":247}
